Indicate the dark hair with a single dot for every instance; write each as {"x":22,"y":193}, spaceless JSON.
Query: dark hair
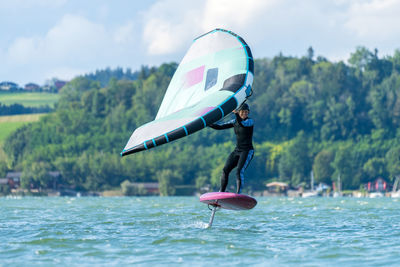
{"x":244,"y":106}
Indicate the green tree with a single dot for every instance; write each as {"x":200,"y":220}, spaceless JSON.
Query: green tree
{"x":202,"y":181}
{"x":345,"y":165}
{"x":294,"y":164}
{"x":375,"y":167}
{"x":129,"y":189}
{"x":361,"y":58}
{"x":322,"y":168}
{"x":385,"y":101}
{"x":393,"y":161}
{"x":310,"y":53}
{"x":37,"y":175}
{"x":3,"y":168}
{"x":167,"y":180}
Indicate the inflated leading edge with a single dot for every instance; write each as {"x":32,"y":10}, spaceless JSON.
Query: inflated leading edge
{"x":213,"y":79}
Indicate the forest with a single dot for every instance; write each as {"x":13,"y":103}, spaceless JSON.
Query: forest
{"x":16,"y":109}
{"x":311,"y":114}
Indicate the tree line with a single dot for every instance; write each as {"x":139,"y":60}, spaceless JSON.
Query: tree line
{"x":17,"y":109}
{"x":334,"y":118}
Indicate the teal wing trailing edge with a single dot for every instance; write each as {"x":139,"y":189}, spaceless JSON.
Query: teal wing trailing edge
{"x":214,"y":77}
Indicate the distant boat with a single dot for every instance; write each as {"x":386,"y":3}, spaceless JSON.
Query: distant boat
{"x":380,"y":187}
{"x":312,"y":192}
{"x":338,"y":193}
{"x":396,"y":193}
{"x":376,"y":194}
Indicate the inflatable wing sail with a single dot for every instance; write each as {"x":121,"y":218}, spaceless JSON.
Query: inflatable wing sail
{"x":214,"y":78}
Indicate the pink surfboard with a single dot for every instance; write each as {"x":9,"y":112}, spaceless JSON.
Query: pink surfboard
{"x":227,"y":200}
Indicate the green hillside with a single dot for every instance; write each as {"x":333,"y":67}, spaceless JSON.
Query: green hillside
{"x":9,"y":124}
{"x":310,"y":114}
{"x":29,"y":99}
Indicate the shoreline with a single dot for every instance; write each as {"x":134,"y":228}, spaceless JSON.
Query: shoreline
{"x":119,"y":193}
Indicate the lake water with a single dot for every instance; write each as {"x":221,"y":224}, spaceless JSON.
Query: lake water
{"x":156,"y":231}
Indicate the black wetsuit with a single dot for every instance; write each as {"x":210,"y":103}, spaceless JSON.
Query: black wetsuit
{"x":243,"y":153}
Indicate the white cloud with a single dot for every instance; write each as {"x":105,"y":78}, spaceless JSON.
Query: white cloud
{"x":130,"y":34}
{"x":233,"y":14}
{"x":72,"y":45}
{"x":163,"y":37}
{"x":334,"y":28}
{"x":23,"y":50}
{"x":170,"y":24}
{"x":271,"y":25}
{"x":74,"y":38}
{"x":377,"y":19}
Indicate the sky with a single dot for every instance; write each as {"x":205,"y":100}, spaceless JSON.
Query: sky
{"x":44,"y":39}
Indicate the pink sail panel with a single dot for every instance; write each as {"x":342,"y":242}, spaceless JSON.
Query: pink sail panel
{"x":194,"y":76}
{"x":203,"y":111}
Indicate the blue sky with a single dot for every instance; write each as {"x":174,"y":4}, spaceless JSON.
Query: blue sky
{"x":42,"y":39}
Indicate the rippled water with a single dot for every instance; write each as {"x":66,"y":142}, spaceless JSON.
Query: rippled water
{"x":172,"y":230}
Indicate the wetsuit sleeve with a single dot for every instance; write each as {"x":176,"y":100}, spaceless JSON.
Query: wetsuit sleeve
{"x":223,"y":126}
{"x":245,"y":123}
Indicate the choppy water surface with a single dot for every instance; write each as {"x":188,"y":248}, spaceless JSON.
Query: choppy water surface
{"x":172,"y":230}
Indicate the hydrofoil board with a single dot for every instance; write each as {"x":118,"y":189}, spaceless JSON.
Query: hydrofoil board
{"x":228,"y":200}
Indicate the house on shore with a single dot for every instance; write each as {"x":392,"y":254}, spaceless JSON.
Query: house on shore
{"x":32,"y":87}
{"x":9,"y":86}
{"x":14,"y":179}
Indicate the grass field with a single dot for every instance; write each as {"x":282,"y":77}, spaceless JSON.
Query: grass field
{"x":8,"y":124}
{"x":28,"y":99}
